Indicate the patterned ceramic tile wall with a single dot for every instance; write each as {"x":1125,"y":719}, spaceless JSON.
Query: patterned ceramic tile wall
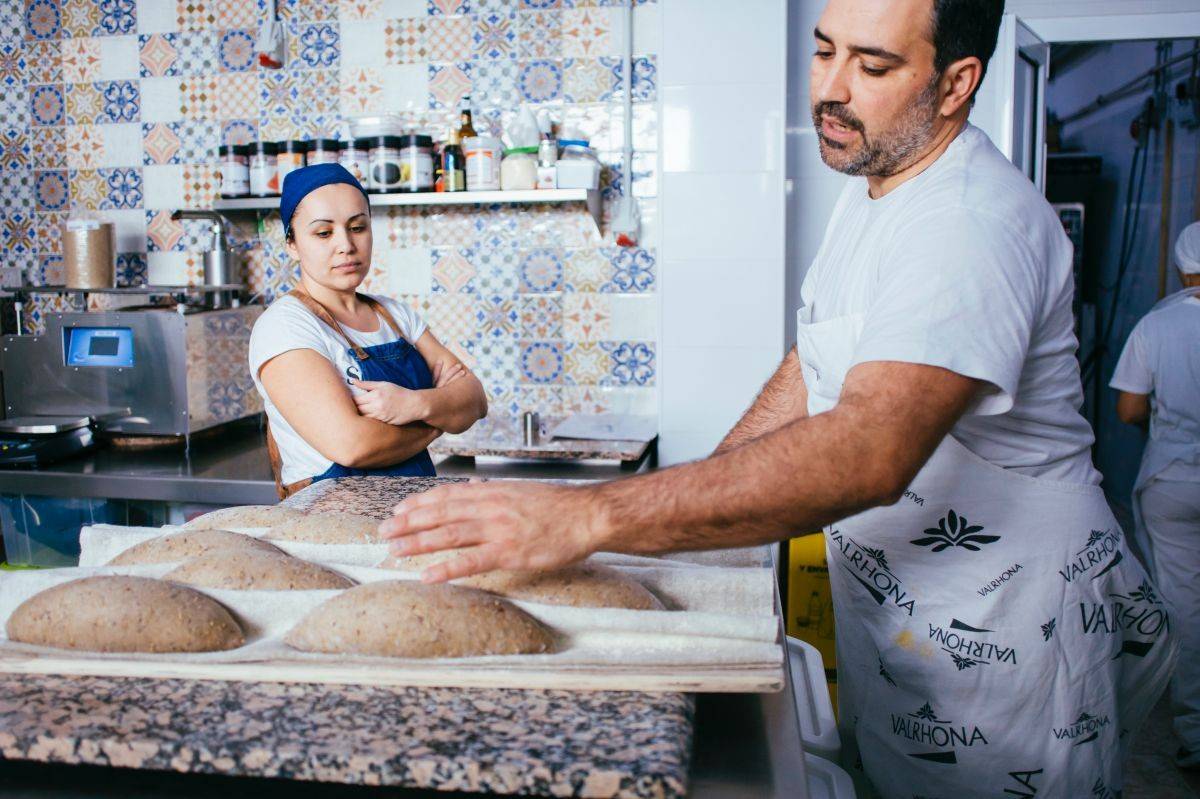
{"x":115,"y":106}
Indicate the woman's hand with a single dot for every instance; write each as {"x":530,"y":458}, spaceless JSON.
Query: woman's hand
{"x":445,"y":375}
{"x":390,"y":403}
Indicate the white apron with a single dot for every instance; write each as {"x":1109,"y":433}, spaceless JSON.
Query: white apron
{"x":1160,"y":453}
{"x":994,"y":635}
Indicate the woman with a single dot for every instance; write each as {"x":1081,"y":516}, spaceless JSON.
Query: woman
{"x":352,"y":384}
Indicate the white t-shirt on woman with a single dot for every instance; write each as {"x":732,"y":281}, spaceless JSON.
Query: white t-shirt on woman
{"x":288,"y":325}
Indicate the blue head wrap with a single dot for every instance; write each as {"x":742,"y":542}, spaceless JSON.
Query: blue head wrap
{"x":299,"y":183}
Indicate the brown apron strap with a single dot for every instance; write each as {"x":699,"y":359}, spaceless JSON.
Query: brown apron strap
{"x":284,"y":491}
{"x":322,"y":313}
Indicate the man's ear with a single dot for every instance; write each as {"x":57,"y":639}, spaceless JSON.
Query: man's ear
{"x":958,"y":84}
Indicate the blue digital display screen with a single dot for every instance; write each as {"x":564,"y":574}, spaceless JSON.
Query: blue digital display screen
{"x":98,"y":346}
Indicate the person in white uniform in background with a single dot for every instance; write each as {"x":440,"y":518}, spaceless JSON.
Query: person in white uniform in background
{"x":995,"y":637}
{"x":1158,"y":377}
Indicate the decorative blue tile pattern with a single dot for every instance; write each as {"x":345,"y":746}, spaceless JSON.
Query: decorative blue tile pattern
{"x":319,"y":45}
{"x":542,"y":362}
{"x":116,"y":17}
{"x":236,"y":51}
{"x":503,"y":276}
{"x":121,"y":101}
{"x":632,"y":363}
{"x":43,"y":19}
{"x":124,"y":186}
{"x":540,"y":80}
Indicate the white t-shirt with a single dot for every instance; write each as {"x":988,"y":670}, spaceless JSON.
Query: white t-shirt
{"x":966,"y":267}
{"x":288,"y":325}
{"x":1162,"y":357}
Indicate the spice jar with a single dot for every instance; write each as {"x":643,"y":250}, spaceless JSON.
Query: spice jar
{"x":264,"y":178}
{"x":290,"y":157}
{"x":384,"y":167}
{"x":234,"y":165}
{"x":355,"y":157}
{"x":483,"y":163}
{"x":416,"y":163}
{"x":518,"y":170}
{"x":323,"y":151}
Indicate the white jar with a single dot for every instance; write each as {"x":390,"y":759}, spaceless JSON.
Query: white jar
{"x":519,"y":170}
{"x":577,"y":167}
{"x":482,"y":154}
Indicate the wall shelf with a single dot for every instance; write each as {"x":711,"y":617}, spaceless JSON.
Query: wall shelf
{"x":589,"y":196}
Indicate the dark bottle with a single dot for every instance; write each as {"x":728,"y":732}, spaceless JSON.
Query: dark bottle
{"x":466,"y":129}
{"x":454,"y":176}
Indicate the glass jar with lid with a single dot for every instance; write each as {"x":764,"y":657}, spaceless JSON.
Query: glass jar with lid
{"x":519,"y":170}
{"x":416,"y":163}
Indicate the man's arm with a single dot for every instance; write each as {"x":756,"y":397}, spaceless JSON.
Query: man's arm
{"x":310,"y":394}
{"x":783,"y":398}
{"x":1133,"y":408}
{"x":808,"y":473}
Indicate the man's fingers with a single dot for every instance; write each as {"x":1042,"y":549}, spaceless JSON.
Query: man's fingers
{"x":430,"y":497}
{"x":451,"y":536}
{"x":475,"y":560}
{"x":427,"y":517}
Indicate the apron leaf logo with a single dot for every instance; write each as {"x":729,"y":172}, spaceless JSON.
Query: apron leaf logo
{"x":1048,"y":629}
{"x":954,"y":531}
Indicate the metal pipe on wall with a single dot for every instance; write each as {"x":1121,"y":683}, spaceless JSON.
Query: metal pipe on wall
{"x":1164,"y":220}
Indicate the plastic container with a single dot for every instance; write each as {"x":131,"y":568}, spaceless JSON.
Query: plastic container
{"x":356,"y":158}
{"x":44,"y":531}
{"x":372,"y":127}
{"x":264,"y":175}
{"x":577,"y":167}
{"x":291,"y":157}
{"x":323,"y":151}
{"x":827,"y":780}
{"x":416,"y":163}
{"x":384,"y":169}
{"x":482,"y":154}
{"x":519,"y":169}
{"x":89,"y":252}
{"x":234,"y":163}
{"x":814,"y":709}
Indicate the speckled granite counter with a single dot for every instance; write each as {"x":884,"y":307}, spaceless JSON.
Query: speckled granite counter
{"x":598,"y":744}
{"x":501,"y":436}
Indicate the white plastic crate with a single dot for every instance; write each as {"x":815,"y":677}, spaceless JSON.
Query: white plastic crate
{"x":818,"y":727}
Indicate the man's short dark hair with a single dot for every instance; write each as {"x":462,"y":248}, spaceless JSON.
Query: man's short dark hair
{"x":964,"y":28}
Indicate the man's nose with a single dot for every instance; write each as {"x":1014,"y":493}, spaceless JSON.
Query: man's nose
{"x":831,"y":84}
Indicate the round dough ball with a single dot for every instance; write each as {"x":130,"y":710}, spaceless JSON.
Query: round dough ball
{"x":327,"y":528}
{"x":188,"y":544}
{"x":584,"y":585}
{"x":407,"y":619}
{"x":263,"y":571}
{"x":243,"y":516}
{"x":125,"y":614}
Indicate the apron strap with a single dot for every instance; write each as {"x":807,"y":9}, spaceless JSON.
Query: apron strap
{"x":284,"y":491}
{"x":321,"y":312}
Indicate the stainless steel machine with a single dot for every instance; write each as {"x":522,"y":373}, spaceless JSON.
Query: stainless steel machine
{"x":163,"y":371}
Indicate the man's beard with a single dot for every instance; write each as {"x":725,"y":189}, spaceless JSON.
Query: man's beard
{"x":887,"y":153}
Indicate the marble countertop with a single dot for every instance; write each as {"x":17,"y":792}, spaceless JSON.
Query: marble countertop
{"x":502,"y":741}
{"x":502,"y":436}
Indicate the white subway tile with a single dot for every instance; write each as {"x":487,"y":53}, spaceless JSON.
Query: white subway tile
{"x":405,"y":86}
{"x":122,"y":144}
{"x":166,"y":268}
{"x":130,"y":226}
{"x":634,"y":317}
{"x":162,"y":185}
{"x":723,"y":303}
{"x":162,"y":100}
{"x":362,"y":43}
{"x":702,"y":134}
{"x":410,"y":270}
{"x":119,"y":57}
{"x":157,"y":16}
{"x":722,"y":215}
{"x":716,"y":41}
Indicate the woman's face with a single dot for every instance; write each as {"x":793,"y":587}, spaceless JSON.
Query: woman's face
{"x":332,"y":237}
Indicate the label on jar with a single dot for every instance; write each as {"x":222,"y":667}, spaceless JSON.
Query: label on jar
{"x":386,"y":170}
{"x":453,"y":180}
{"x":357,"y":163}
{"x":286,"y":163}
{"x":483,"y":170}
{"x":322,"y":157}
{"x":416,"y":170}
{"x":235,"y":177}
{"x":264,"y":178}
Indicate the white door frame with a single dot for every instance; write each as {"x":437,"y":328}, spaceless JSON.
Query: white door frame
{"x":1116,"y":27}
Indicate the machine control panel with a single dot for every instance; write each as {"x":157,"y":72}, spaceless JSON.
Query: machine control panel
{"x":98,"y":346}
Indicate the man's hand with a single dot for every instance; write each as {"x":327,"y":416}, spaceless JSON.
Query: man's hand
{"x":390,"y":403}
{"x":497,"y":525}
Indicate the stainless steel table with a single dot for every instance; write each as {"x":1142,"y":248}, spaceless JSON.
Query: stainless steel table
{"x":230,"y":468}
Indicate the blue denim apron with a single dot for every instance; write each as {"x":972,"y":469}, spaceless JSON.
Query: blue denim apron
{"x":396,"y":362}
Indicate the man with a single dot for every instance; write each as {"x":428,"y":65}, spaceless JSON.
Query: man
{"x":987,"y":611}
{"x":1162,"y":359}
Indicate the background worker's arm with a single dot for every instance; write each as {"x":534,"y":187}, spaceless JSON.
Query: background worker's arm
{"x":313,"y":398}
{"x":782,"y":399}
{"x":1133,"y":408}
